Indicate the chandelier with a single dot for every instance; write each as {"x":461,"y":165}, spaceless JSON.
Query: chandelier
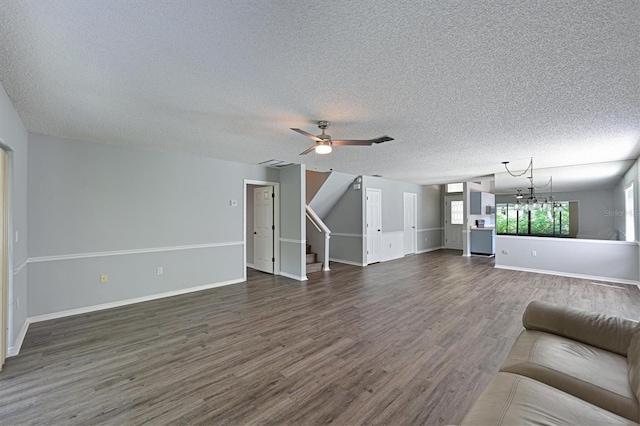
{"x":531,"y":201}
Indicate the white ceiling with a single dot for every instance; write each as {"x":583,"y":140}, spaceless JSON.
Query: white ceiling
{"x":460,"y":85}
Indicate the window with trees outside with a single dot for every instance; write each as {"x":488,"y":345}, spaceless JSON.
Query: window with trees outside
{"x":512,"y":219}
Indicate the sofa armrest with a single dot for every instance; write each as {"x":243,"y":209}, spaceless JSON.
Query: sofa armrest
{"x":602,"y":331}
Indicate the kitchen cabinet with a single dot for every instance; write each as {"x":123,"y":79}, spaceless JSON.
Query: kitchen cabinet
{"x":482,"y":241}
{"x":479,"y":202}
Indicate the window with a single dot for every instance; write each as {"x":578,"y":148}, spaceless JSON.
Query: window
{"x":457,"y":208}
{"x":515,"y":221}
{"x":454,"y":187}
{"x":629,"y":216}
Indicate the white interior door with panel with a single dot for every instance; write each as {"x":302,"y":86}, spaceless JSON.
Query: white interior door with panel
{"x":263,"y":229}
{"x":453,"y":222}
{"x":374,"y":224}
{"x":410,"y":218}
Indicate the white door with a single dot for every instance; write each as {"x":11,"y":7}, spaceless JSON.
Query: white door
{"x":453,"y":222}
{"x":374,"y":224}
{"x":263,"y":229}
{"x":410,"y":219}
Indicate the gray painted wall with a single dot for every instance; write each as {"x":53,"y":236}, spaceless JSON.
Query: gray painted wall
{"x":429,"y":201}
{"x":609,"y":260}
{"x":593,"y":206}
{"x":430,"y":217}
{"x":392,"y":200}
{"x":292,"y":223}
{"x":347,"y":216}
{"x":14,"y":137}
{"x":334,"y":186}
{"x":87,"y":198}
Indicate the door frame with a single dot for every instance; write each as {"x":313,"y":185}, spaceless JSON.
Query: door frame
{"x":414,"y":234}
{"x":269,"y":265}
{"x":367,"y":262}
{"x":276,"y":224}
{"x":447,"y":199}
{"x":7,"y":305}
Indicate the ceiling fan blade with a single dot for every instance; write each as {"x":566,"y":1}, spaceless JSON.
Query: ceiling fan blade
{"x":308,"y":150}
{"x":363,"y":142}
{"x":351,"y":142}
{"x":309,"y":135}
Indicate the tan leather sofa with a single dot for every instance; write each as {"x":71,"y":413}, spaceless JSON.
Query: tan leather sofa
{"x":568,"y":366}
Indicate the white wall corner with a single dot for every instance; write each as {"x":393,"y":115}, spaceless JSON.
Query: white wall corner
{"x":17,"y":344}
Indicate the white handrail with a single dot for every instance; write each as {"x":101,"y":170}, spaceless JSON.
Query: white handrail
{"x":316,"y":220}
{"x":322,"y":228}
{"x":313,"y":221}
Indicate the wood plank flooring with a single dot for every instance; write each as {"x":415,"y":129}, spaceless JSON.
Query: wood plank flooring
{"x":412,"y":341}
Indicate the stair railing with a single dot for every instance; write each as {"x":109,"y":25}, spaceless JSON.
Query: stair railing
{"x":321,"y":228}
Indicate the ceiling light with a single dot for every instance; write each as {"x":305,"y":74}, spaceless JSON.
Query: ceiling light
{"x":531,"y":202}
{"x":323,"y":149}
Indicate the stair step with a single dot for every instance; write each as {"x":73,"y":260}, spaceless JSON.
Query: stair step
{"x":308,"y":248}
{"x":314,"y":267}
{"x":312,"y":258}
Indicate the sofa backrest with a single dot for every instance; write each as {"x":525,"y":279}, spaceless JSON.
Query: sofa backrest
{"x":633,"y":358}
{"x":603,"y":331}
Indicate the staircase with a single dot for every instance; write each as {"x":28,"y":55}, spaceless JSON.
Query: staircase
{"x":312,"y":261}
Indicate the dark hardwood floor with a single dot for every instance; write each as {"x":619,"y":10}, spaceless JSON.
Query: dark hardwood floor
{"x":412,"y":341}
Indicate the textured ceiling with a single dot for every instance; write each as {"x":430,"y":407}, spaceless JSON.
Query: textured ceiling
{"x":460,"y":85}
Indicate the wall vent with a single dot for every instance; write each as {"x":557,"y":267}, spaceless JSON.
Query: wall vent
{"x":276,"y":163}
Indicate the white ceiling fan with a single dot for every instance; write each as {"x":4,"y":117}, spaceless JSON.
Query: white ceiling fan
{"x":324,"y":142}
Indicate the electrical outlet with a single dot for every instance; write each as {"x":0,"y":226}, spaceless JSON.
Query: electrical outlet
{"x":505,"y":251}
{"x":104,"y":278}
{"x":425,"y":239}
{"x":16,"y":236}
{"x":534,"y":253}
{"x":17,"y":303}
{"x":160,"y":270}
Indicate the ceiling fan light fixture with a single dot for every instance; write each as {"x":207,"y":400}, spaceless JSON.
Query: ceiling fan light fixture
{"x":323,"y":149}
{"x":324,"y":142}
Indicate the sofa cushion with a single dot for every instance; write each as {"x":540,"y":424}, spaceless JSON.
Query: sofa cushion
{"x":634,"y":363}
{"x":511,"y":399}
{"x":594,"y":375}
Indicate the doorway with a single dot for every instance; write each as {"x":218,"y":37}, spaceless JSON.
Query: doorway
{"x":261,"y":226}
{"x":374,"y":224}
{"x":410,"y":219}
{"x":453,"y":221}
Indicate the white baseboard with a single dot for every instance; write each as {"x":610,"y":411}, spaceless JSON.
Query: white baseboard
{"x":88,"y":309}
{"x":570,"y":275}
{"x":251,"y":265}
{"x":429,"y":249}
{"x":347,"y":262}
{"x":15,"y":350}
{"x":293,"y":277}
